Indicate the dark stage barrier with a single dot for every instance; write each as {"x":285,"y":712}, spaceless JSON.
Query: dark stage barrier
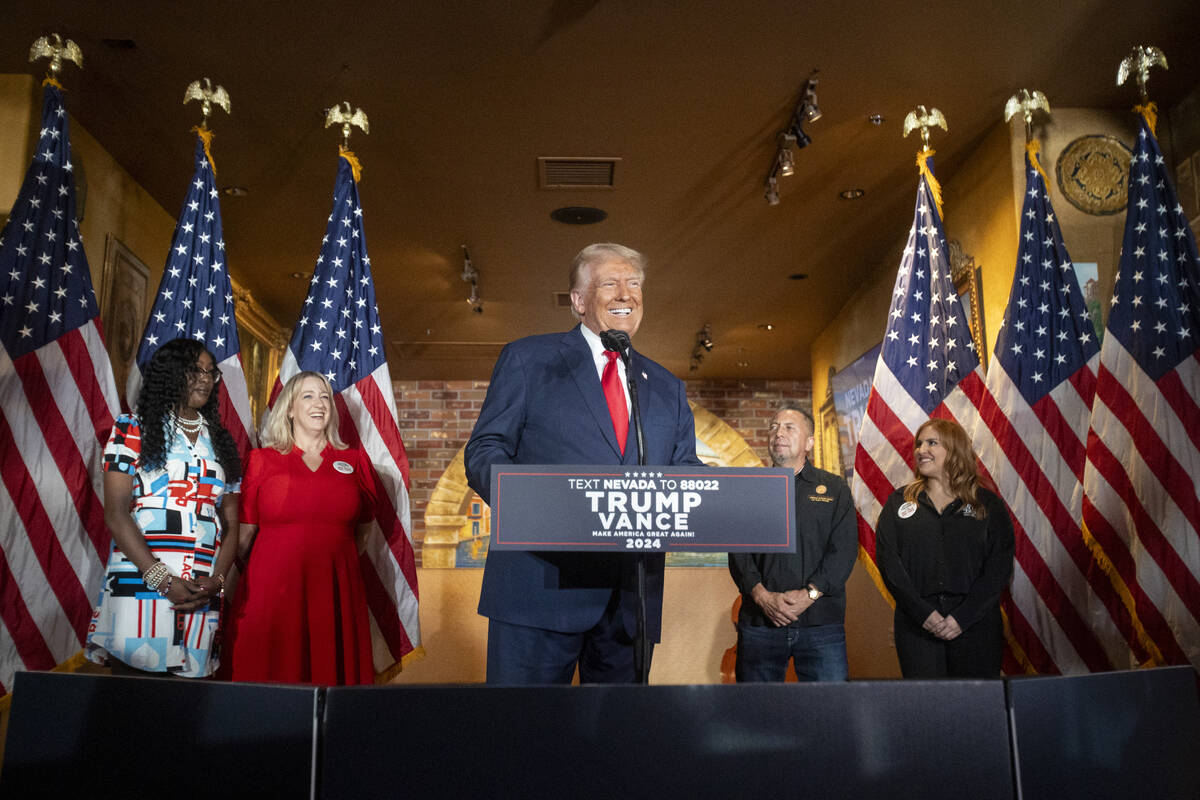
{"x":99,"y":736}
{"x":1115,"y":734}
{"x":1131,"y":734}
{"x":864,"y":739}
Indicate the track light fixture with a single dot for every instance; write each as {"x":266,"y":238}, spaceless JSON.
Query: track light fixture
{"x":784,"y":165}
{"x":471,"y":275}
{"x":787,"y":166}
{"x":772,"y":191}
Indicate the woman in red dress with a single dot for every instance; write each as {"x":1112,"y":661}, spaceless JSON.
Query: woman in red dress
{"x":300,"y":612}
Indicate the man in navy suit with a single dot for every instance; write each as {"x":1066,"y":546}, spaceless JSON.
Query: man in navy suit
{"x":551,"y":611}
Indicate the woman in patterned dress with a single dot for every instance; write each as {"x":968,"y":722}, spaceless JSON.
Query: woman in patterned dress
{"x":169,"y":472}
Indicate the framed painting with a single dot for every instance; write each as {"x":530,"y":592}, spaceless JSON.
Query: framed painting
{"x":262,"y":342}
{"x":124,"y":294}
{"x":966,"y":277}
{"x":850,"y":389}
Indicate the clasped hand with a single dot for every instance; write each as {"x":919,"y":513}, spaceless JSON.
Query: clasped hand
{"x":190,"y":595}
{"x":783,"y":608}
{"x":942,"y":627}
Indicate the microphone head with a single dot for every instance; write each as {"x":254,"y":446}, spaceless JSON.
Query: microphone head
{"x":614,"y":340}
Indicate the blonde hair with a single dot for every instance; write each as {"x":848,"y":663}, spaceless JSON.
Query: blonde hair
{"x":962,"y":475}
{"x":599,"y":253}
{"x":277,"y":432}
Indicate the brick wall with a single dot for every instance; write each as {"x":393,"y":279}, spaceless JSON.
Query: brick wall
{"x":436,"y":418}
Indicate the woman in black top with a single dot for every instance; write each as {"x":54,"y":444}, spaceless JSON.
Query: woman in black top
{"x":944,"y":546}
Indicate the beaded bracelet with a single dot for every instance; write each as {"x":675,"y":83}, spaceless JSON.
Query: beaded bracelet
{"x":155,"y":575}
{"x":165,"y":587}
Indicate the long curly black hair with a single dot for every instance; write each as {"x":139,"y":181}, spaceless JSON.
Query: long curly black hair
{"x":164,"y":389}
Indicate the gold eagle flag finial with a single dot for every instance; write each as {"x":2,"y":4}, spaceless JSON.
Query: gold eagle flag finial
{"x":920,"y":118}
{"x":55,"y":48}
{"x":1026,"y":103}
{"x":347,"y":118}
{"x":209,"y":96}
{"x":1139,"y":61}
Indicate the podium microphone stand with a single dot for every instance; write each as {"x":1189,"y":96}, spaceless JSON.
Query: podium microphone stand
{"x":618,"y":341}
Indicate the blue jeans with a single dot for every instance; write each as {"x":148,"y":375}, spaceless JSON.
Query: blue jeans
{"x":819,"y":652}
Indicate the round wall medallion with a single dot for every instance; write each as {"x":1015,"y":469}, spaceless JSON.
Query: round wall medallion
{"x":1093,"y":174}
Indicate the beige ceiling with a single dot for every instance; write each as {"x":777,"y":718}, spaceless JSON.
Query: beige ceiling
{"x":464,"y":96}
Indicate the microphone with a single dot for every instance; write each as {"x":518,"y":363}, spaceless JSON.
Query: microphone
{"x":617,"y":342}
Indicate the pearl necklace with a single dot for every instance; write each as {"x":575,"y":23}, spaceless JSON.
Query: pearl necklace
{"x":189,"y":426}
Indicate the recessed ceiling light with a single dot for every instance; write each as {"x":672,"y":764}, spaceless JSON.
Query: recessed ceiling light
{"x":875,"y":119}
{"x":851,"y":194}
{"x":797,"y":276}
{"x":578,"y":215}
{"x":766,"y":326}
{"x":236,"y":191}
{"x":298,"y":275}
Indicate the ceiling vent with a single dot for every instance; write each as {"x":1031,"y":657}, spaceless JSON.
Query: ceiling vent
{"x":577,"y":173}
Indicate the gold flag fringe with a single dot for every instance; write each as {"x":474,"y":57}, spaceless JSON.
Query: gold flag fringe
{"x":416,"y":654}
{"x":206,"y":136}
{"x":1150,"y":113}
{"x":1034,"y":148}
{"x":1108,"y":568}
{"x":52,"y":82}
{"x":935,"y":187}
{"x":355,"y":166}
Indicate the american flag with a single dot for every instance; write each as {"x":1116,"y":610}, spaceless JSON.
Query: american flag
{"x":1143,"y":449}
{"x":1031,"y":441}
{"x":928,"y":367}
{"x":195,"y":299}
{"x":57,"y":402}
{"x":338,"y":334}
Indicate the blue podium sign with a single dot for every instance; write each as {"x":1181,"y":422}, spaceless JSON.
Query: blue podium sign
{"x":643,"y":509}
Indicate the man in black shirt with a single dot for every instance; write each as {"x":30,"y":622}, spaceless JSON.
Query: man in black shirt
{"x":794,"y":604}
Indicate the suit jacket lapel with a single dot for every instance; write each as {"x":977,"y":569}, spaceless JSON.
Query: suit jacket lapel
{"x":579,"y":359}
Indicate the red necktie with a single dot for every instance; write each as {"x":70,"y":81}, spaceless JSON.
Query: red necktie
{"x":615,"y":395}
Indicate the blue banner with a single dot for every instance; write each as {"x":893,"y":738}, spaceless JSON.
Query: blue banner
{"x":643,"y":509}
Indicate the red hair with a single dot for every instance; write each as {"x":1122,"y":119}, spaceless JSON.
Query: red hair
{"x":962,"y":475}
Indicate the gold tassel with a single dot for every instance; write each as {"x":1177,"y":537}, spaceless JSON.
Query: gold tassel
{"x":1014,"y":647}
{"x":876,"y":578}
{"x":52,"y":82}
{"x":935,"y":187}
{"x":206,"y":136}
{"x":395,"y":669}
{"x":355,"y":165}
{"x":1108,"y":568}
{"x":1034,"y":148}
{"x":1150,"y":113}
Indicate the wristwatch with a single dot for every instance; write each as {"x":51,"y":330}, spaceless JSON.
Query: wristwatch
{"x":813,"y":592}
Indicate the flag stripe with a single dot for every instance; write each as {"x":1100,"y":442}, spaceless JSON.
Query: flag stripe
{"x":40,"y":563}
{"x":1017,"y":659}
{"x":1178,"y":484}
{"x":1028,"y":489}
{"x":1119,"y":553}
{"x":82,"y":349}
{"x":62,"y":448}
{"x":31,"y":649}
{"x":1047,"y":587}
{"x":1182,"y":402}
